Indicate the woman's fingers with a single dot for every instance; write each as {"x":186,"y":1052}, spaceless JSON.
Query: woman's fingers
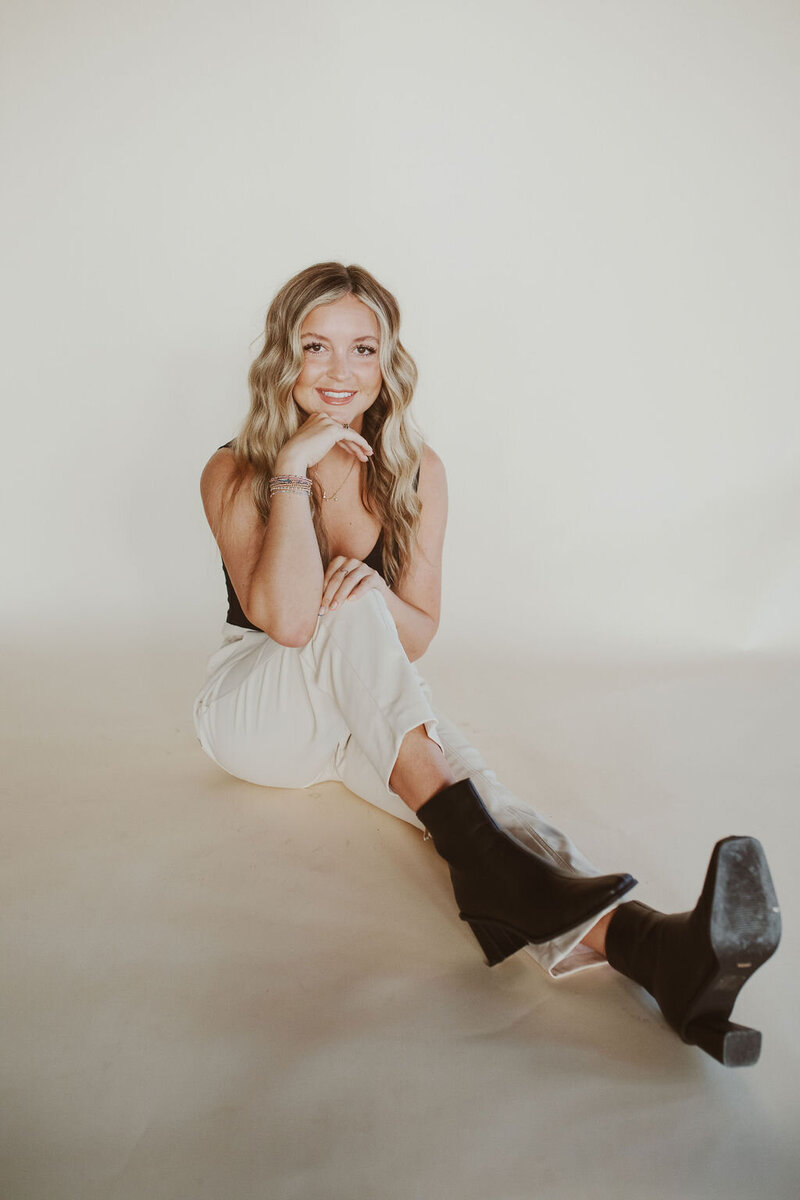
{"x":343,"y":577}
{"x":334,"y":577}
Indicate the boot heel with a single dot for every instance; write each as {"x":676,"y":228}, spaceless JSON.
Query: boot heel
{"x":497,"y":941}
{"x":730,"y":1044}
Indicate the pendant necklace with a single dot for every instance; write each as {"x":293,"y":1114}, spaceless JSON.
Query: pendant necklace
{"x":325,"y":495}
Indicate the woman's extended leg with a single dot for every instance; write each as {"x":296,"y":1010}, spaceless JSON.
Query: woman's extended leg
{"x":695,"y":963}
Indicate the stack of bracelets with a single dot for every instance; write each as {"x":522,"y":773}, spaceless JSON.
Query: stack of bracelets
{"x":289,"y":483}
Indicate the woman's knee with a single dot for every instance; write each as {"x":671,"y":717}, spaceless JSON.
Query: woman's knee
{"x":358,"y":612}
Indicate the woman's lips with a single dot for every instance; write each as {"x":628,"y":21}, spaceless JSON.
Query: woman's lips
{"x":333,"y":400}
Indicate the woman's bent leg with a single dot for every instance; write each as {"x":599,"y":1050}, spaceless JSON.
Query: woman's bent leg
{"x":356,"y":658}
{"x":383,"y":696}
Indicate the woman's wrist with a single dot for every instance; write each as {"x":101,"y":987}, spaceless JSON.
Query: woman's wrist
{"x":289,"y":465}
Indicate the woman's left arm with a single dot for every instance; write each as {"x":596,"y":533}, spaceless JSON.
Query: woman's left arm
{"x":416,"y":604}
{"x":415,"y":628}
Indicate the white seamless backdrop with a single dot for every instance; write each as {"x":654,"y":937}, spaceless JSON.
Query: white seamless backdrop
{"x":587,"y":212}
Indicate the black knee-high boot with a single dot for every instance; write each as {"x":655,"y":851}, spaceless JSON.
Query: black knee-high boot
{"x":695,"y":963}
{"x":508,"y":894}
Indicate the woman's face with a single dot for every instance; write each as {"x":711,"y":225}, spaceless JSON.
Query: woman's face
{"x":340,"y":354}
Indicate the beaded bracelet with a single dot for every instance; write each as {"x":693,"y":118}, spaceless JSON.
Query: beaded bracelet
{"x":289,"y":483}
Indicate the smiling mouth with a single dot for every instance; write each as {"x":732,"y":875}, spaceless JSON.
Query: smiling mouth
{"x":335,"y":397}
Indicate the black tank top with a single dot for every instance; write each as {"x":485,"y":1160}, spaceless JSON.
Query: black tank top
{"x":236,"y":616}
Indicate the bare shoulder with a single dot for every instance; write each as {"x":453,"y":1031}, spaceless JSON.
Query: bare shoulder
{"x":234,"y":520}
{"x":218,"y":471}
{"x":432,"y":491}
{"x":219,"y":481}
{"x":431,"y":464}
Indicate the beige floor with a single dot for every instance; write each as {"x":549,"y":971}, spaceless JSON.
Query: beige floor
{"x":213,"y":991}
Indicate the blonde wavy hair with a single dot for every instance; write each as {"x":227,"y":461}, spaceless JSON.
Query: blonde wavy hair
{"x":387,"y":485}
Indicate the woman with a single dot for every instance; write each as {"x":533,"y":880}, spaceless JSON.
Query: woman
{"x":329,"y":512}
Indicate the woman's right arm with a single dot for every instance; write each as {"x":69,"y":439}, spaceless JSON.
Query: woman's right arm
{"x":276,"y":569}
{"x":286,"y":583}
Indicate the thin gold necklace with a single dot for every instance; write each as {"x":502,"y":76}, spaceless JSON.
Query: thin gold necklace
{"x":325,"y":495}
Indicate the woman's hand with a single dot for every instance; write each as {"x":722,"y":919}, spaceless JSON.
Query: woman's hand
{"x":347,"y":579}
{"x":315,"y":437}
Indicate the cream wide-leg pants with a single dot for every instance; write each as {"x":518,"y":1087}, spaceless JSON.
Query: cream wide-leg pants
{"x":338,"y":708}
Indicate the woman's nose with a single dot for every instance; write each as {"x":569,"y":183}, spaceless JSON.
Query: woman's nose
{"x":340,"y":368}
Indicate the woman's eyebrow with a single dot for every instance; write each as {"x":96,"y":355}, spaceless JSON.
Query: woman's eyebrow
{"x":364,"y":337}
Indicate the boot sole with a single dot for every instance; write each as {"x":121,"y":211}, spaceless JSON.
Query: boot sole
{"x":744,"y":928}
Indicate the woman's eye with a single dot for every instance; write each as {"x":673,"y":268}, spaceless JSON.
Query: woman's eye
{"x":315,"y":346}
